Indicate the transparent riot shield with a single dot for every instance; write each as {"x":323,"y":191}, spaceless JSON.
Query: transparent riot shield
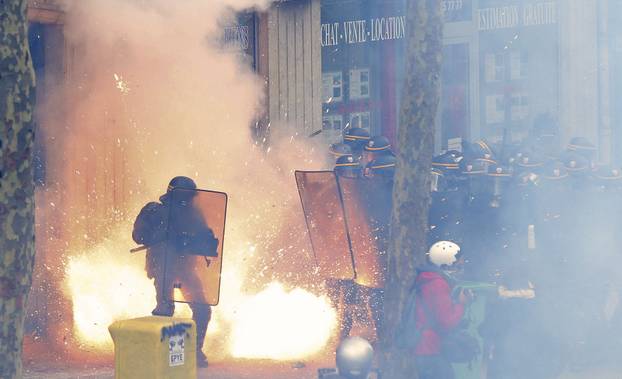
{"x":323,"y":212}
{"x":367,"y":207}
{"x":194,"y":246}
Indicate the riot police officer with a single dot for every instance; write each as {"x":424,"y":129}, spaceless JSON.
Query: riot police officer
{"x":379,"y":174}
{"x":344,"y":294}
{"x":339,"y":149}
{"x":382,"y":167}
{"x":152,"y":229}
{"x":356,"y":138}
{"x":375,"y":148}
{"x":348,"y":166}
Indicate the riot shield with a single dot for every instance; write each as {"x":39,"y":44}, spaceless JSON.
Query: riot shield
{"x":325,"y":220}
{"x":367,"y":207}
{"x":194,"y":246}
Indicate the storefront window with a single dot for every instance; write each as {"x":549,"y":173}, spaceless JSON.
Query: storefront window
{"x":362,"y":55}
{"x":455,"y":114}
{"x":518,"y":65}
{"x":360,"y":120}
{"x":359,"y":84}
{"x":332,"y":84}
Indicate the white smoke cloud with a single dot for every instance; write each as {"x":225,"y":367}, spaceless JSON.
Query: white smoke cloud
{"x":150,"y":95}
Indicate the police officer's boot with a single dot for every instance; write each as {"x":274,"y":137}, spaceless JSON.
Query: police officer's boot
{"x":201,"y":314}
{"x":163,"y":307}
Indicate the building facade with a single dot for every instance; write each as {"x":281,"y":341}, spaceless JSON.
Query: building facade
{"x":331,"y":64}
{"x":508,"y":64}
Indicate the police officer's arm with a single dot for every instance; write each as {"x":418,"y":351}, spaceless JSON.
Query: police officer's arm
{"x":446,"y":313}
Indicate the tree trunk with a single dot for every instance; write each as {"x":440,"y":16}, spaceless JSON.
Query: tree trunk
{"x":17,"y":248}
{"x":411,"y":193}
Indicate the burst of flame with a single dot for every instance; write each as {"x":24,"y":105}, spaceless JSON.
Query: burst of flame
{"x":275,"y":324}
{"x":107,"y":284}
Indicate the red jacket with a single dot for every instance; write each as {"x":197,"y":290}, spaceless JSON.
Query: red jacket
{"x":434,"y":301}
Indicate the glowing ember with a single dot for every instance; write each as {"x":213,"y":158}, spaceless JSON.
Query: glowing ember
{"x":107,"y":284}
{"x":121,"y":84}
{"x":276,"y":324}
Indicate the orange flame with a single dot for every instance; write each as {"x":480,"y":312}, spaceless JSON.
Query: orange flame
{"x":107,"y":284}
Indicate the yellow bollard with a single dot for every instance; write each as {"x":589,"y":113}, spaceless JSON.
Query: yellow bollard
{"x":154,"y":348}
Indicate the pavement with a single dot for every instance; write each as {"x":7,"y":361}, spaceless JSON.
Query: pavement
{"x":220,"y":370}
{"x":255,"y":370}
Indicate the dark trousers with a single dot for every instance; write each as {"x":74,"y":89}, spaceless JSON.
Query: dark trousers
{"x":434,"y":367}
{"x":201,"y":313}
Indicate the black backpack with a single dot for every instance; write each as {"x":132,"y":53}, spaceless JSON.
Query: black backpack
{"x":458,"y":345}
{"x":151,"y":225}
{"x":407,"y":335}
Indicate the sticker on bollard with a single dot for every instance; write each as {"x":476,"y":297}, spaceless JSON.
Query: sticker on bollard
{"x":176,"y":350}
{"x":176,"y":335}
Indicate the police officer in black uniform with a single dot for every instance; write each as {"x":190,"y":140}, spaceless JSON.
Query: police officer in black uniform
{"x":339,"y":150}
{"x":376,"y":147}
{"x":356,"y":138}
{"x":380,"y":173}
{"x":344,"y":294}
{"x":152,"y":230}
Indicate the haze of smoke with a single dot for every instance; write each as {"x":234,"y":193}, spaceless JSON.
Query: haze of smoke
{"x":152,"y":95}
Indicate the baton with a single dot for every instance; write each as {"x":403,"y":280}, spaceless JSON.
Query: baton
{"x":139,"y":248}
{"x":315,"y":133}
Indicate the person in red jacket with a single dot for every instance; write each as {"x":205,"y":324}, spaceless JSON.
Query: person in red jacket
{"x":437,"y":313}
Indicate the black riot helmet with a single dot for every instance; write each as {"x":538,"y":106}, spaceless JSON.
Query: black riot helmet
{"x":181,"y":182}
{"x":480,"y":149}
{"x":576,"y":164}
{"x":378,"y":144}
{"x":446,"y":171}
{"x":554,"y":172}
{"x":374,"y":148}
{"x":448,"y":163}
{"x":348,"y":167}
{"x":383,"y":166}
{"x":481,"y":152}
{"x":528,"y":161}
{"x":340,"y":149}
{"x":178,"y":182}
{"x":356,"y":138}
{"x":473,"y":168}
{"x":608,"y":177}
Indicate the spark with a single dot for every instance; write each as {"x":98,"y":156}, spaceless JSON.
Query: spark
{"x":121,"y":84}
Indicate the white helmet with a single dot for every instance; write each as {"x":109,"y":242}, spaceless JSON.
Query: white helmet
{"x":355,"y":357}
{"x":443,"y":253}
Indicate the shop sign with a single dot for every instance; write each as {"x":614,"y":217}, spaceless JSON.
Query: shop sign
{"x":456,"y":10}
{"x":514,"y":16}
{"x":363,"y":31}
